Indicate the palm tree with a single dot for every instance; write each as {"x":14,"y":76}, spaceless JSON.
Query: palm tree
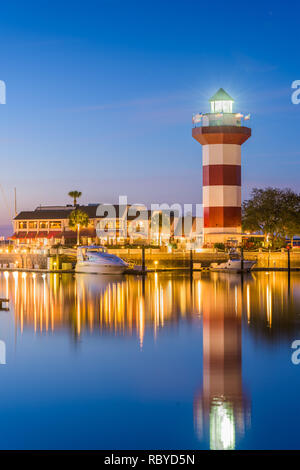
{"x":75,"y":195}
{"x":77,"y":220}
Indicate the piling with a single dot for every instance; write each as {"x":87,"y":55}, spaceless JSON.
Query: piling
{"x":191,"y":263}
{"x":242,"y":259}
{"x":143,"y":260}
{"x":289,"y":271}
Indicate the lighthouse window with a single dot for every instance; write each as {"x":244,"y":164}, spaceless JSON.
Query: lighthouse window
{"x":221,"y":107}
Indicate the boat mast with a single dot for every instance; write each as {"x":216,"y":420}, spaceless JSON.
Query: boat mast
{"x":15,"y":201}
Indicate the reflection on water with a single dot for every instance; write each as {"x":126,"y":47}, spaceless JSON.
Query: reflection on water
{"x":222,"y":404}
{"x":122,"y":305}
{"x":263,"y":304}
{"x":128,"y":305}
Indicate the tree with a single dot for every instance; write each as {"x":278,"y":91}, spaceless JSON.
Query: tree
{"x":75,"y":195}
{"x":272,"y":211}
{"x":291,"y":214}
{"x":77,"y":220}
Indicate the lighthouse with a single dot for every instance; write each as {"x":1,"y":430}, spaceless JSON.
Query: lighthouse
{"x":221,"y":133}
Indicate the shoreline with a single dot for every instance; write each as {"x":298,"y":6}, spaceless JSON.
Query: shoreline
{"x":136,"y":272}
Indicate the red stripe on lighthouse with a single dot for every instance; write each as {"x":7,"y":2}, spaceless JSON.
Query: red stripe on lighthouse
{"x":227,"y":175}
{"x":222,"y":217}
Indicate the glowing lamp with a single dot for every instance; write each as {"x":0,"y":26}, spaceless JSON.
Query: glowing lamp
{"x":221,"y":102}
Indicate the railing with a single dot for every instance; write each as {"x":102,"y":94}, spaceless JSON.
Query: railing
{"x":219,"y":119}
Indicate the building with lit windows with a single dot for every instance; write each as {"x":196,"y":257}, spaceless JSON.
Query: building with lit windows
{"x":111,"y":225}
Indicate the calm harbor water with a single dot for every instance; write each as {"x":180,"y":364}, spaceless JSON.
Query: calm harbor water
{"x":95,"y":362}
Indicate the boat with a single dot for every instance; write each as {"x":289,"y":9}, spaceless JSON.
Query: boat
{"x":94,"y":259}
{"x":234,"y":264}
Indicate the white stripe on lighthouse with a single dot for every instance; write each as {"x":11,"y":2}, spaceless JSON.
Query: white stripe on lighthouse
{"x":221,"y":154}
{"x":221,"y":196}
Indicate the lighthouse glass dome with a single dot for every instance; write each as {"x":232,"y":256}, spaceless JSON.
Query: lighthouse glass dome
{"x":221,"y":106}
{"x":221,"y":102}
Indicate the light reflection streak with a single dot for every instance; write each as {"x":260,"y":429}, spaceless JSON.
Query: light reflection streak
{"x":86,"y":302}
{"x":130,"y":306}
{"x":269,"y":306}
{"x":248,"y":304}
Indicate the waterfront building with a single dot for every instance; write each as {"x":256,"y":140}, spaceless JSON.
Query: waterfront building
{"x":49,"y":225}
{"x":109,"y":225}
{"x":221,"y":133}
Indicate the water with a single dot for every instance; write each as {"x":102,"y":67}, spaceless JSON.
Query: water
{"x":96,"y":362}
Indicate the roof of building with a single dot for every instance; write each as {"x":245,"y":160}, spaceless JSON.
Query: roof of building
{"x":54,"y":213}
{"x":63,"y":212}
{"x":221,"y":95}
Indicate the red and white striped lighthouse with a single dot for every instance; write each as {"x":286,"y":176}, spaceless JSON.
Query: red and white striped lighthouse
{"x":221,"y":133}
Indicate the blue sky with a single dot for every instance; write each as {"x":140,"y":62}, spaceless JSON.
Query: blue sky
{"x":100,"y":96}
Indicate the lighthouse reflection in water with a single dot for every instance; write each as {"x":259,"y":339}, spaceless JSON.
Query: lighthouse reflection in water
{"x":197,"y":352}
{"x":222,"y":404}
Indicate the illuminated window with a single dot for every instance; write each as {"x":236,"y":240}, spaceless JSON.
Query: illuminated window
{"x":32,"y":224}
{"x":139,"y":227}
{"x":55,"y":224}
{"x":22,"y":225}
{"x":43,"y":224}
{"x":106,"y":225}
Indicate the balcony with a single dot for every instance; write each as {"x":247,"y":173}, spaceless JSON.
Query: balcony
{"x":220,"y":119}
{"x":221,"y":133}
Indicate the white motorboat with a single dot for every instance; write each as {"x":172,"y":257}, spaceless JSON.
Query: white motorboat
{"x":94,"y":259}
{"x":233,"y":265}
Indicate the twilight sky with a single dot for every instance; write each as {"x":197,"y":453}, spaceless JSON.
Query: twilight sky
{"x":100,"y":96}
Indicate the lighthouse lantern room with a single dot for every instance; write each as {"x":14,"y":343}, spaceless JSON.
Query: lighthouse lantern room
{"x":221,"y":102}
